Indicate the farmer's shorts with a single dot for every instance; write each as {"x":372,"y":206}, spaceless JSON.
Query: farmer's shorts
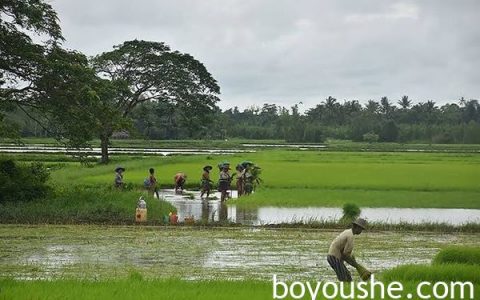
{"x":340,"y":269}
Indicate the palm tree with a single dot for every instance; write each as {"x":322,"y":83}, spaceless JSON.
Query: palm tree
{"x":331,"y":110}
{"x":372,"y":106}
{"x":405,"y":103}
{"x":385,"y":105}
{"x":430,"y":106}
{"x":330,"y":102}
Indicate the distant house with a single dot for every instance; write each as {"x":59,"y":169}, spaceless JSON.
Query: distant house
{"x":121,"y":135}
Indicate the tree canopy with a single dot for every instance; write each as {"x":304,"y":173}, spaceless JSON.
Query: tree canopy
{"x":21,"y":59}
{"x":148,"y":71}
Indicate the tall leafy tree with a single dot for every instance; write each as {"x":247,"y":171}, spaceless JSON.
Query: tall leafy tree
{"x":151,"y":71}
{"x":21,"y":59}
{"x":75,"y":102}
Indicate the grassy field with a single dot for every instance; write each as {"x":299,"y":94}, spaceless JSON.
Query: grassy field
{"x":84,"y":204}
{"x":310,"y":178}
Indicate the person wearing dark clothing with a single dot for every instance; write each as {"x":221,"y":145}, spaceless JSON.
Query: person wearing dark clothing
{"x":152,"y":187}
{"x":206,"y":182}
{"x":224,"y":182}
{"x":119,"y":177}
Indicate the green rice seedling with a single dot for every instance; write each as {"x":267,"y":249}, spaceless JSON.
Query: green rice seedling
{"x":458,"y":255}
{"x":432,"y":273}
{"x":350,"y":213}
{"x":174,"y":289}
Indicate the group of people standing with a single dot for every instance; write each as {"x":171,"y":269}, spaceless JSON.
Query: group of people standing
{"x":245,"y":180}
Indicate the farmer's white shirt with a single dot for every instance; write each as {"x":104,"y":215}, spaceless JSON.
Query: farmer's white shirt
{"x":342,"y":245}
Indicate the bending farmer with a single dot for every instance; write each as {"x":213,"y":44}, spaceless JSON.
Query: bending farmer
{"x":341,"y":250}
{"x":180,"y":179}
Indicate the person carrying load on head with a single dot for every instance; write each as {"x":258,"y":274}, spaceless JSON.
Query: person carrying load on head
{"x":206,"y":182}
{"x":341,"y":250}
{"x":224,"y":181}
{"x":180,"y":179}
{"x":151,"y":183}
{"x":240,"y":180}
{"x":118,"y":182}
{"x":249,"y":179}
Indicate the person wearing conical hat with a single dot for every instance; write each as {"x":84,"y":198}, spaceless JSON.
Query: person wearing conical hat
{"x":118,"y":182}
{"x":206,"y":182}
{"x":341,"y":250}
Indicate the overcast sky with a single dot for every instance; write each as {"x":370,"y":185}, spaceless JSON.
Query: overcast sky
{"x":285,"y":52}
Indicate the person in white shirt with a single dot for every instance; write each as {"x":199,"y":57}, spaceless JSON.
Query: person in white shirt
{"x":341,"y":250}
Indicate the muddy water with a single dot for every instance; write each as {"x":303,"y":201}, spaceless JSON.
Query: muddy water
{"x":96,"y":252}
{"x":213,"y":210}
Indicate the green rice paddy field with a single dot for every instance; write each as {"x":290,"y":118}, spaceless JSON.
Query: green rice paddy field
{"x":158,"y":262}
{"x":312,"y":178}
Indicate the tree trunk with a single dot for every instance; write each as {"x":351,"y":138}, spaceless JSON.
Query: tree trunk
{"x":104,"y":141}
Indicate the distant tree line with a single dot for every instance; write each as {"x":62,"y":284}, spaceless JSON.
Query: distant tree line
{"x":382,"y":121}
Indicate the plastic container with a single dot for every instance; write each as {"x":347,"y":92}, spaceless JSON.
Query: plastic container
{"x":141,"y":203}
{"x":141,"y":215}
{"x":173,"y":219}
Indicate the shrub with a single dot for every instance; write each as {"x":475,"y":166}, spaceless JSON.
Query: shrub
{"x":370,"y":137}
{"x":22,"y":183}
{"x":458,"y":255}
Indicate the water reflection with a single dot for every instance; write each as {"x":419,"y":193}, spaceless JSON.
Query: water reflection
{"x":211,"y":210}
{"x":190,"y":205}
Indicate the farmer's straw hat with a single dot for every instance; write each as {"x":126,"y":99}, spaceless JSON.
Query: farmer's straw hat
{"x":119,"y":168}
{"x":207,"y":168}
{"x":360,"y":222}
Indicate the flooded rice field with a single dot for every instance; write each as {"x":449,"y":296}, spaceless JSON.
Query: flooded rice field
{"x":97,"y":252}
{"x":115,"y":150}
{"x":213,"y":210}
